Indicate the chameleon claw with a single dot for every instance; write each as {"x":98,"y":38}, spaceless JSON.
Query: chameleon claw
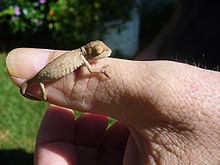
{"x":105,"y":73}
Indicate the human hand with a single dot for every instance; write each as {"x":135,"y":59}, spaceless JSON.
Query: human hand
{"x":64,"y":140}
{"x":171,"y":109}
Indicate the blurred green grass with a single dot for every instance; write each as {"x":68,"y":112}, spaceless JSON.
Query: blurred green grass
{"x":19,"y":117}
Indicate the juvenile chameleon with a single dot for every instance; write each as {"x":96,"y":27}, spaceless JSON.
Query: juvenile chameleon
{"x":66,"y":64}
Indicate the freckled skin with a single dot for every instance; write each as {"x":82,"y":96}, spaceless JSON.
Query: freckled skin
{"x":66,"y":64}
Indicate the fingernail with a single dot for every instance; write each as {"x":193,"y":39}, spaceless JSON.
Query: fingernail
{"x":24,"y":62}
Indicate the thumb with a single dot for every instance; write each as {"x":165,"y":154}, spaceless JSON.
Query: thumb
{"x":136,"y":91}
{"x":76,"y":90}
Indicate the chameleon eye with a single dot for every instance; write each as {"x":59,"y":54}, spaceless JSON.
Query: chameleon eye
{"x":98,"y":49}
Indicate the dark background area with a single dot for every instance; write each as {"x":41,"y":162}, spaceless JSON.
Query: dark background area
{"x":196,"y":37}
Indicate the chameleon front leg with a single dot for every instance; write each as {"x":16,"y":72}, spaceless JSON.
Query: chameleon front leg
{"x":94,"y":70}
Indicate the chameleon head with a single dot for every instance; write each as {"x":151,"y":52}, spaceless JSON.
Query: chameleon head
{"x":96,"y":50}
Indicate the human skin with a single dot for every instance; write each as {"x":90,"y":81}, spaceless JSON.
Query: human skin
{"x":171,"y":109}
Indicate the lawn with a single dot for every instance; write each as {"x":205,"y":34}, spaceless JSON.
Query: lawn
{"x":19,"y":121}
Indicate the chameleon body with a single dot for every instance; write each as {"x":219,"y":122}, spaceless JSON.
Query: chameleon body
{"x":66,"y":64}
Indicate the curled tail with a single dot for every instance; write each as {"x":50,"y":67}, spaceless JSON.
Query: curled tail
{"x":23,"y":89}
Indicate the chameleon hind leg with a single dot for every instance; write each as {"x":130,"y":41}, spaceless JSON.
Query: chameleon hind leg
{"x":44,"y":92}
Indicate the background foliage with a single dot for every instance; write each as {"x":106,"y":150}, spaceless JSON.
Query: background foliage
{"x":57,"y":23}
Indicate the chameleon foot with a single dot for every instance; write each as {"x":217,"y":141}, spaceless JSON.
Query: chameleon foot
{"x":99,"y":71}
{"x":103,"y":71}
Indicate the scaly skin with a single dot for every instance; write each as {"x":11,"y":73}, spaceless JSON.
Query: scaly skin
{"x":66,"y":64}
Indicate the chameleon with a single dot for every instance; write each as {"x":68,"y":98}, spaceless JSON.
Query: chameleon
{"x":66,"y":64}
